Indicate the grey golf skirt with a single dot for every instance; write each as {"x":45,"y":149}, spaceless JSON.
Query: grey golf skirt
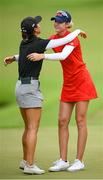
{"x":28,"y":95}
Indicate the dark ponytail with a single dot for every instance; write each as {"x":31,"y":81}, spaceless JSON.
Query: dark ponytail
{"x":26,"y":36}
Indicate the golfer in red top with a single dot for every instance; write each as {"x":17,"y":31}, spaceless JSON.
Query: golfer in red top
{"x":78,"y":89}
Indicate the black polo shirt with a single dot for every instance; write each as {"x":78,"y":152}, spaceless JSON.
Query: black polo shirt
{"x":29,"y":68}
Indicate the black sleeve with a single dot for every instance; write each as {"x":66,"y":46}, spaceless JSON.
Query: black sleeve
{"x":42,"y":44}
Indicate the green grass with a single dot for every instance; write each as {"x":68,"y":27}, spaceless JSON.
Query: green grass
{"x":47,"y":152}
{"x":10,"y":116}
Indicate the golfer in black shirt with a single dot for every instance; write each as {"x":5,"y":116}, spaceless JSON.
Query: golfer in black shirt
{"x":28,"y":94}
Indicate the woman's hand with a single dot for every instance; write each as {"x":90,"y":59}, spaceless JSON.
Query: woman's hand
{"x":83,"y":34}
{"x":9,"y":60}
{"x":35,"y":57}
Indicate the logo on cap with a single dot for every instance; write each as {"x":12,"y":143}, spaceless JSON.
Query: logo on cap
{"x":62,"y":16}
{"x":61,"y":13}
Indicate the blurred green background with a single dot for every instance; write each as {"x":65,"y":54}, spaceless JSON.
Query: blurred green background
{"x":87,"y":15}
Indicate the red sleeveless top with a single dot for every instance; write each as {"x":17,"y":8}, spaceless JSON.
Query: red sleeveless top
{"x":77,"y":82}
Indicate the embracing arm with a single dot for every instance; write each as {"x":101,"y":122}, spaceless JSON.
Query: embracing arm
{"x":61,"y":41}
{"x":54,"y":56}
{"x":61,"y":55}
{"x":54,"y":43}
{"x":10,"y":59}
